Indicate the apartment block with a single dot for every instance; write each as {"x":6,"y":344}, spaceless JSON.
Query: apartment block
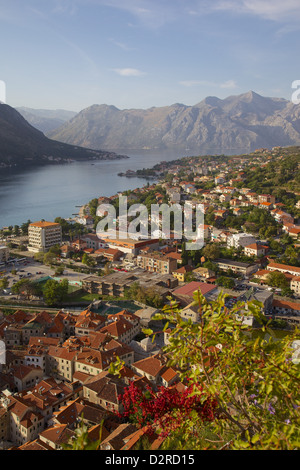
{"x":236,"y":266}
{"x":43,"y":235}
{"x":157,"y":263}
{"x":4,"y":254}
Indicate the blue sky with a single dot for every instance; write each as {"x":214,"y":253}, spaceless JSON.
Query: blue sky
{"x":70,"y":54}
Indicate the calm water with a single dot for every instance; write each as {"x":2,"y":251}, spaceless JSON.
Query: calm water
{"x":55,"y":191}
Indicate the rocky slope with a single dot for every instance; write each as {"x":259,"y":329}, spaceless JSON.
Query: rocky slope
{"x":245,"y":122}
{"x":23,"y":145}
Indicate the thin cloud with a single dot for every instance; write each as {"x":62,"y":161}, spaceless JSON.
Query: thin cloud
{"x":191,"y":83}
{"x":129,"y":72}
{"x":121,"y":45}
{"x":229,"y":84}
{"x":275,"y":10}
{"x":152,"y":14}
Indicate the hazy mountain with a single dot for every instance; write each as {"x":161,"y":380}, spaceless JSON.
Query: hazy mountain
{"x":46,"y":120}
{"x":22,"y":145}
{"x":246,"y":122}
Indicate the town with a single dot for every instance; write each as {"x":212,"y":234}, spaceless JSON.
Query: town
{"x":72,"y":304}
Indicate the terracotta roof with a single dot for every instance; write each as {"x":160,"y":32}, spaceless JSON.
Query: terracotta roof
{"x":286,"y":304}
{"x":285,"y":267}
{"x":117,"y":328}
{"x":44,"y":224}
{"x":184,"y":269}
{"x":79,"y":408}
{"x":191,"y":287}
{"x":152,"y":365}
{"x":58,"y":434}
{"x":116,"y":439}
{"x":37,"y":444}
{"x":107,"y":388}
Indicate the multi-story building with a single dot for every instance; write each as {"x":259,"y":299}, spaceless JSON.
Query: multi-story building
{"x":43,"y":235}
{"x":115,"y":284}
{"x":295,"y":285}
{"x":4,"y":254}
{"x":157,"y":263}
{"x":238,"y":240}
{"x":236,"y":266}
{"x":284,"y":268}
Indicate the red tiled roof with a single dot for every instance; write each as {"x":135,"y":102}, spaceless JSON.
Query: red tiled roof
{"x":191,"y":287}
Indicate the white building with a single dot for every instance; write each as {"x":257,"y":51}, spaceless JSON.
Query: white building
{"x":238,"y":240}
{"x":43,"y":235}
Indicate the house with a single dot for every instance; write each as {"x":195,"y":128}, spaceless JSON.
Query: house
{"x":255,"y":249}
{"x":57,"y":436}
{"x":203,"y":273}
{"x":79,"y":245}
{"x":25,"y":376}
{"x":281,"y":216}
{"x":105,"y":390}
{"x":87,"y":322}
{"x":86,"y":220}
{"x":268,"y":198}
{"x":80,"y":410}
{"x":111,"y":254}
{"x":220,"y":179}
{"x":93,"y":241}
{"x":118,"y":438}
{"x":182,"y":272}
{"x":153,"y":368}
{"x":294,"y":232}
{"x":262,"y":275}
{"x":24,"y":422}
{"x":174,"y":195}
{"x":265,"y":205}
{"x":225,"y":197}
{"x":222,"y":213}
{"x":204,"y":231}
{"x":92,"y":362}
{"x":60,"y":362}
{"x":191,"y":312}
{"x":121,"y":329}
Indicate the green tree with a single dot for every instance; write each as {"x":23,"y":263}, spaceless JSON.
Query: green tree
{"x":277,"y":279}
{"x":225,"y":282}
{"x":211,"y":251}
{"x":27,"y":288}
{"x":255,"y":380}
{"x":59,"y":270}
{"x":4,"y":282}
{"x":49,"y":258}
{"x":55,"y":292}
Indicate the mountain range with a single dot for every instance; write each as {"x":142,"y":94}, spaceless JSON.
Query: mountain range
{"x":46,"y":120}
{"x":247,"y":122}
{"x":21,"y":144}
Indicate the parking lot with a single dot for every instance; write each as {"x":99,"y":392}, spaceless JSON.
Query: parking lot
{"x":33,"y":270}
